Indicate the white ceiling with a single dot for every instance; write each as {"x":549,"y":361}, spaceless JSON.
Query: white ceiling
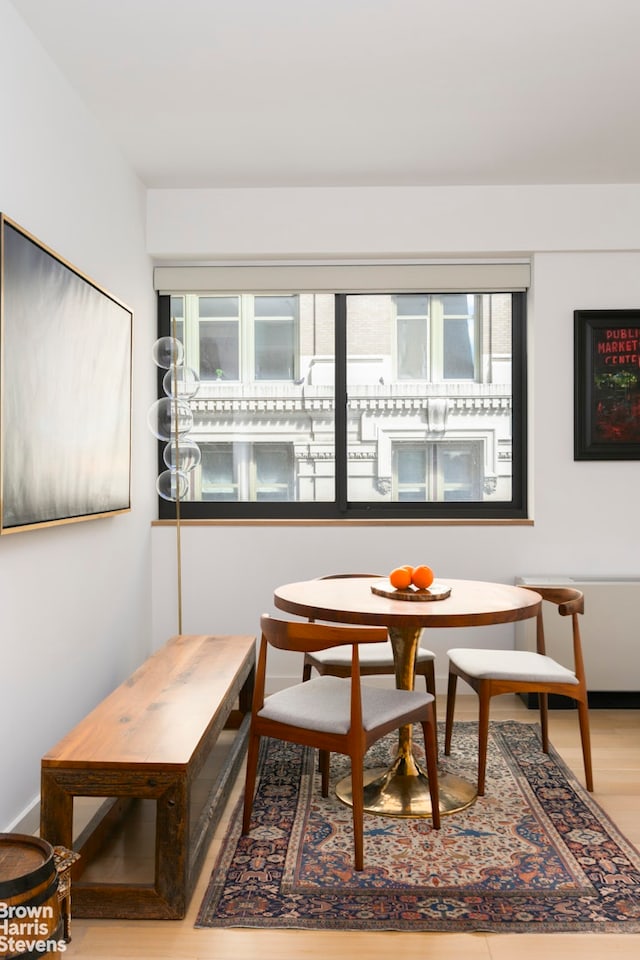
{"x":273,"y":93}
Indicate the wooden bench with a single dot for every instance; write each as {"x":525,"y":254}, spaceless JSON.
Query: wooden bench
{"x":149,"y":740}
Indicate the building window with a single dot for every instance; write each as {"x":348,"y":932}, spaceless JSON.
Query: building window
{"x":275,"y":323}
{"x":438,"y":471}
{"x":248,"y":472}
{"x":217,"y":325}
{"x":437,"y":337}
{"x":397,"y":405}
{"x":238,"y":337}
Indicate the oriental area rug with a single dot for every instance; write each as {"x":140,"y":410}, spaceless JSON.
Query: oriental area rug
{"x":535,"y":854}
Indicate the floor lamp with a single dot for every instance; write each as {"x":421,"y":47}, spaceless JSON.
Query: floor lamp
{"x":170,"y":420}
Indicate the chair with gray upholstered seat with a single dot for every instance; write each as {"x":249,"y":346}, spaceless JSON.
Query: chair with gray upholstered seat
{"x":494,"y":672}
{"x":334,"y":714}
{"x":375,"y":659}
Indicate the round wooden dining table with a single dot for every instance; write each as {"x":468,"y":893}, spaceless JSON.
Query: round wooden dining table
{"x":402,"y":789}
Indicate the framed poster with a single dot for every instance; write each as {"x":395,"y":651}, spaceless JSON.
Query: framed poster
{"x":65,"y":390}
{"x":607,"y":384}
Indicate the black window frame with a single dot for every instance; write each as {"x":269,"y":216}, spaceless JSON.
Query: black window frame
{"x":341,"y":508}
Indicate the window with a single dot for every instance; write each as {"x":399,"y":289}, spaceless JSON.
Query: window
{"x":437,"y":337}
{"x":275,"y":326}
{"x":214,"y":325}
{"x":438,"y":471}
{"x":363,"y":405}
{"x":252,"y":472}
{"x":238,"y":337}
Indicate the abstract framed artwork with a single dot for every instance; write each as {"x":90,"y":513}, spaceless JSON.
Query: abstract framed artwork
{"x":65,"y":390}
{"x":607,"y":384}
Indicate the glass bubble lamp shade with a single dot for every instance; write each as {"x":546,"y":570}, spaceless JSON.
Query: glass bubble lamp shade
{"x":183,"y":455}
{"x":169,"y":418}
{"x":167,"y":352}
{"x":182,"y":382}
{"x":172,"y":485}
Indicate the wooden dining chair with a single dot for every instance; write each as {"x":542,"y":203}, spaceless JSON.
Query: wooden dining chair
{"x":494,"y":672}
{"x":376,"y":659}
{"x":333,"y":714}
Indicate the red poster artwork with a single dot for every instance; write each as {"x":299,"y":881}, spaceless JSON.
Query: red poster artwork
{"x":616,"y":384}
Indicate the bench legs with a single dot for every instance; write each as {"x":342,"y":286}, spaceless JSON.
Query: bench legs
{"x":167,"y":897}
{"x":180,"y":846}
{"x":172,"y":844}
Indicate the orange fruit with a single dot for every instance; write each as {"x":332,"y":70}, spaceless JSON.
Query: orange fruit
{"x":406,"y":566}
{"x":422,"y":577}
{"x":400,"y":578}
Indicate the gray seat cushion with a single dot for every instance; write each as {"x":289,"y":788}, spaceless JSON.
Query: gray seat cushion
{"x":324,"y":704}
{"x":371,"y":655}
{"x":510,"y":665}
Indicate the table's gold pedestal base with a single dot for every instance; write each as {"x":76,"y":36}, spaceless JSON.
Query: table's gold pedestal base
{"x":390,"y":793}
{"x":402,"y":789}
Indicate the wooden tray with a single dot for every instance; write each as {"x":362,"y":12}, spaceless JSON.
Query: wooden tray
{"x":437,"y":591}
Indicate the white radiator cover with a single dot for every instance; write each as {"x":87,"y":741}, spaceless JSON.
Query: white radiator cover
{"x":610,"y":629}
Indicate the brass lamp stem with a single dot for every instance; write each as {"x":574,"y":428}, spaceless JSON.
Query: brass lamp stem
{"x":174,"y":374}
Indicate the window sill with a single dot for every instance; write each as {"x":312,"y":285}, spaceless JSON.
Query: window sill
{"x":380,"y":522}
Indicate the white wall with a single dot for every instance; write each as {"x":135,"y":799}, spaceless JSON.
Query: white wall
{"x":74,"y":599}
{"x":393,"y":221}
{"x":584,"y":241}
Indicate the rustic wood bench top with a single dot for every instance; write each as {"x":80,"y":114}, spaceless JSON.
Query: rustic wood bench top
{"x":159,"y":715}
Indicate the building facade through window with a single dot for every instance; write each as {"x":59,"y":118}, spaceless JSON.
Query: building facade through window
{"x":373,"y":401}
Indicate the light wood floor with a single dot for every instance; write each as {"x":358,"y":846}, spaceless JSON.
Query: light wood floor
{"x":616,"y":761}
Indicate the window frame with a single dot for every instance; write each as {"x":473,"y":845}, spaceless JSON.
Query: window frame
{"x":341,"y":509}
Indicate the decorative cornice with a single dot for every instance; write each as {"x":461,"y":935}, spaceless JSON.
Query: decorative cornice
{"x":395,"y":405}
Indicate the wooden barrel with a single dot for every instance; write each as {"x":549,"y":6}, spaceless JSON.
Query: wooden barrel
{"x":30,"y":915}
